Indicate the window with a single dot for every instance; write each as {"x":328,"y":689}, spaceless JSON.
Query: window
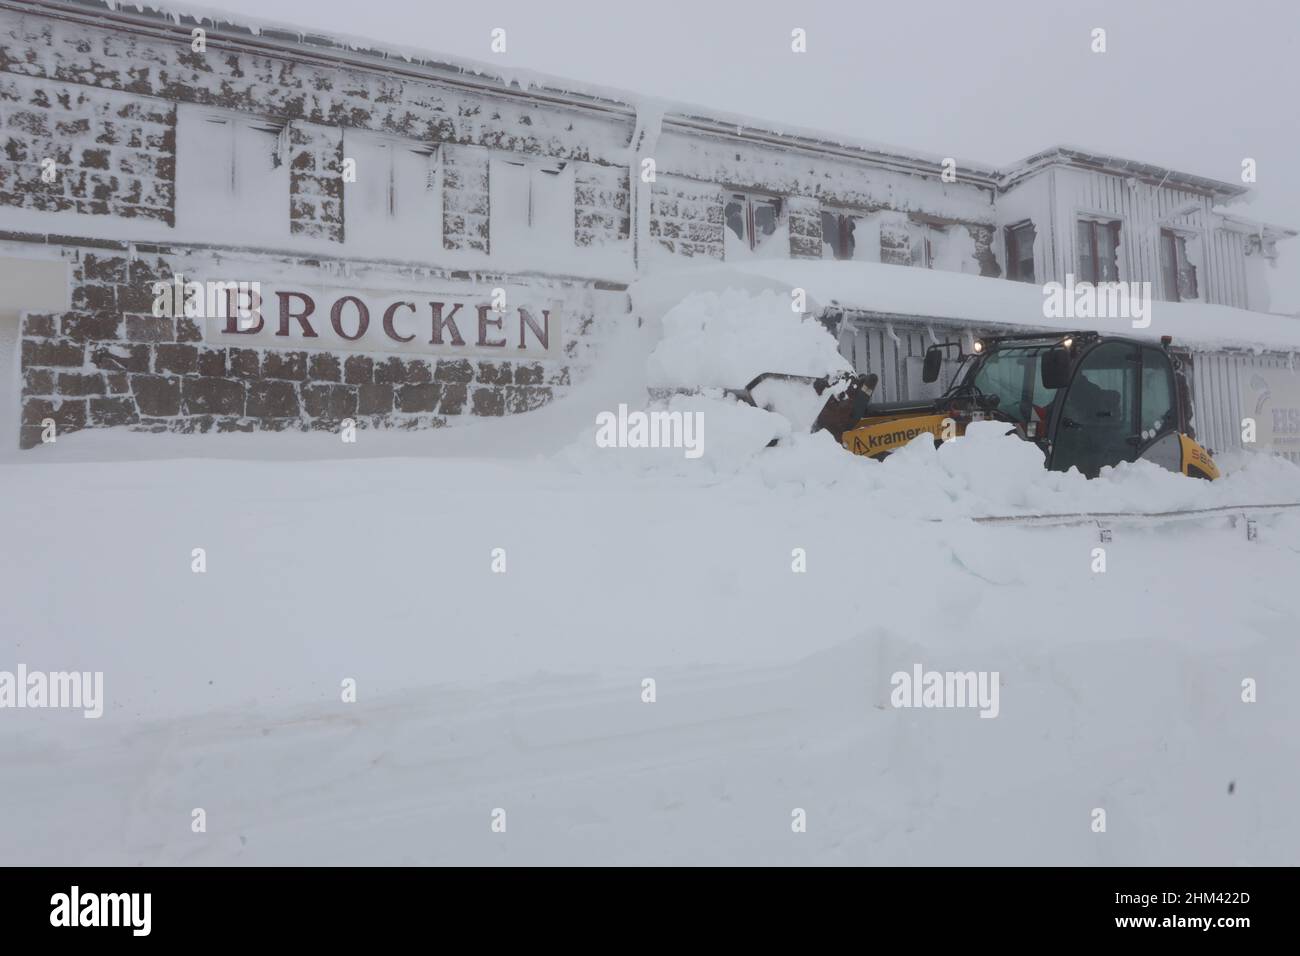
{"x":1097,"y":242}
{"x":531,"y":206}
{"x":394,"y":205}
{"x":754,"y":223}
{"x":1157,"y":393}
{"x":1015,"y":376}
{"x":837,"y":235}
{"x":1178,"y":272}
{"x":231,"y":175}
{"x":1098,"y":417}
{"x":1020,"y":252}
{"x":925,"y":240}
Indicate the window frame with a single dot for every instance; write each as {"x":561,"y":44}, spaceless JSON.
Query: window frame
{"x":843,"y":217}
{"x":1094,"y":220}
{"x":750,"y":198}
{"x":924,"y":230}
{"x":1012,"y":247}
{"x":1178,"y":240}
{"x":230,"y":182}
{"x":393,"y":190}
{"x":533,"y":166}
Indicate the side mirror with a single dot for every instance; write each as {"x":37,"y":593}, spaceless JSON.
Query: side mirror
{"x":1056,"y":368}
{"x":933,"y":362}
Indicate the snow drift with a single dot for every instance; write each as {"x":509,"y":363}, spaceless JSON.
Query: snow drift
{"x":501,"y":596}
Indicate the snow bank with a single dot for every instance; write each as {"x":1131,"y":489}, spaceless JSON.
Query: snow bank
{"x":523,"y":689}
{"x":730,"y":433}
{"x":726,"y":338}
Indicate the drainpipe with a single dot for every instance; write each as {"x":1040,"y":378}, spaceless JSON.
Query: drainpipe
{"x":1055,"y":240}
{"x":645,"y":137}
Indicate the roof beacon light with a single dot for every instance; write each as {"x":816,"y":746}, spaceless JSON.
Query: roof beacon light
{"x":978,"y":346}
{"x":1067,"y":342}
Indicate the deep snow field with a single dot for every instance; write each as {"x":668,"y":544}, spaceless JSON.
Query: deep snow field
{"x":522,"y":690}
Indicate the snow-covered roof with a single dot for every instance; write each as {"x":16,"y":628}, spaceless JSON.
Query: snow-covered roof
{"x":1267,"y":230}
{"x":1105,"y":162}
{"x":928,"y":295}
{"x":396,"y":58}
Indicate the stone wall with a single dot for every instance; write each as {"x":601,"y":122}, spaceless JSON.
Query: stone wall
{"x":316,"y":181}
{"x":602,"y":203}
{"x":71,"y":148}
{"x":110,"y":361}
{"x":465,"y":185}
{"x":686,"y":217}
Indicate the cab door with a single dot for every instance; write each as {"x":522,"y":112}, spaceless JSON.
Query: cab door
{"x":1158,"y":420}
{"x":1097,"y":424}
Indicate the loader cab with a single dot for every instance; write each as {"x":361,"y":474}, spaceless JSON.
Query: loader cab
{"x":1121,"y":404}
{"x":1087,"y":400}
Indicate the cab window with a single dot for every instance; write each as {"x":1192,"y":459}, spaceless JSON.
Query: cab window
{"x":1157,"y":393}
{"x":1014,"y":376}
{"x":1099,"y":415}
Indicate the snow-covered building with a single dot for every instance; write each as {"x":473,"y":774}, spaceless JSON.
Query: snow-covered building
{"x":411,"y":241}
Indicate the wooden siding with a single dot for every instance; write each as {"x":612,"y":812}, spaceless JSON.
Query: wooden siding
{"x":1144,"y":210}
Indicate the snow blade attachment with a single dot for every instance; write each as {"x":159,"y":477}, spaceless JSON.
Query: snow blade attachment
{"x":809,"y":403}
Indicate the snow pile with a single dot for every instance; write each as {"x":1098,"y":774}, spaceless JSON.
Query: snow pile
{"x":523,"y":689}
{"x":711,"y":341}
{"x":720,"y":436}
{"x":726,"y":338}
{"x":989,"y":472}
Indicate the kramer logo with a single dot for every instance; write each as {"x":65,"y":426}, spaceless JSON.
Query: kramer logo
{"x":893,"y":438}
{"x":102,"y":909}
{"x":885,"y":440}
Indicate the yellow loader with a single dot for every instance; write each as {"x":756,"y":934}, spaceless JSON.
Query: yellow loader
{"x":1087,"y":400}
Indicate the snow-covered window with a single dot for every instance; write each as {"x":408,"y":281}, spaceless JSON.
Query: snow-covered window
{"x":1020,"y":252}
{"x":231,"y":175}
{"x":531,"y":206}
{"x":394,"y":206}
{"x":1157,"y":392}
{"x":1176,"y":269}
{"x":755,"y":224}
{"x":924,"y":241}
{"x":1096,"y":244}
{"x":837,"y":234}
